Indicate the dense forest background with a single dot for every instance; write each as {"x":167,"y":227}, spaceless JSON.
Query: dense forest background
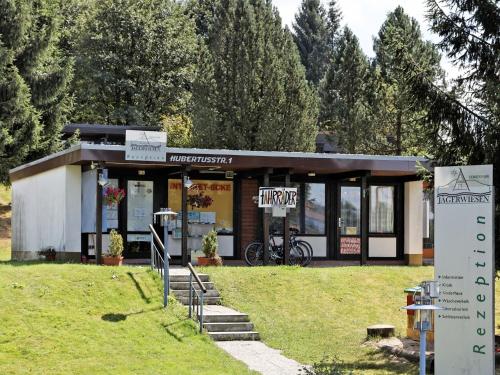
{"x":227,"y":74}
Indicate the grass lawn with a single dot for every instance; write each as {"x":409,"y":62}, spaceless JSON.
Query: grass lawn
{"x":82,"y":319}
{"x":310,"y":313}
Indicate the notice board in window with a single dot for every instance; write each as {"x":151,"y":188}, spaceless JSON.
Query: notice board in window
{"x":350,"y":245}
{"x":139,"y":205}
{"x":212,"y":199}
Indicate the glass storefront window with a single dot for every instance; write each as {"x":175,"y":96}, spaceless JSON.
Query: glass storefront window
{"x":139,"y":205}
{"x":381,"y":209}
{"x":350,"y":210}
{"x":314,"y":214}
{"x":112,"y":210}
{"x":314,"y":208}
{"x":210,"y":202}
{"x":276,"y":223}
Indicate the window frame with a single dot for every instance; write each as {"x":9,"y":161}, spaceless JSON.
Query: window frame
{"x":394,"y":232}
{"x":302,"y":202}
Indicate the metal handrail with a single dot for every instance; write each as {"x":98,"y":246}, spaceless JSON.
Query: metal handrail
{"x":197,"y":278}
{"x":193,"y":293}
{"x":159,"y":263}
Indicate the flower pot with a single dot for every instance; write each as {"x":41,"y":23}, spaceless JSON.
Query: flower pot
{"x":204,"y":261}
{"x":112,"y":261}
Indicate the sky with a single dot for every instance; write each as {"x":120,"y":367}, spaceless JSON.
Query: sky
{"x":364,"y":18}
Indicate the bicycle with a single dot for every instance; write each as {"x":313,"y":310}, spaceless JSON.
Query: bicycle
{"x":306,"y":246}
{"x":254,"y":252}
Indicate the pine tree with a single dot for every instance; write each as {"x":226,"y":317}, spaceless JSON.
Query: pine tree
{"x":135,"y":62}
{"x":250,"y":90}
{"x":465,"y":129}
{"x":334,"y":16}
{"x":311,"y":33}
{"x":34,"y":78}
{"x":344,"y":107}
{"x":399,"y":114}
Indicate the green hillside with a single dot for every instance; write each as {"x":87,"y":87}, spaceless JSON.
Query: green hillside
{"x":81,"y":319}
{"x":310,"y":313}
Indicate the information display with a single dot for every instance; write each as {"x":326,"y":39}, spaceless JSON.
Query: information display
{"x":139,"y":205}
{"x":350,"y":245}
{"x":209,"y":202}
{"x":464,"y":267}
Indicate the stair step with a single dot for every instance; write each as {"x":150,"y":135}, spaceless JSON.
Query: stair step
{"x":206,"y":301}
{"x":181,"y":285}
{"x":185,"y":293}
{"x":226,"y":318}
{"x":229,"y":327}
{"x":185,"y":278}
{"x":231,"y":336}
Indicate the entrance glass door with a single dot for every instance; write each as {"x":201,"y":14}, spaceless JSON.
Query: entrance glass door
{"x":349,"y":222}
{"x":139,"y":216}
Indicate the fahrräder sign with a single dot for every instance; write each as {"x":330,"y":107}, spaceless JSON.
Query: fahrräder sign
{"x":277,"y":197}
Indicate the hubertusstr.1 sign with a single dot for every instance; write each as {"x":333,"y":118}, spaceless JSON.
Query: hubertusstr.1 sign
{"x":145,"y":145}
{"x":464,"y":266}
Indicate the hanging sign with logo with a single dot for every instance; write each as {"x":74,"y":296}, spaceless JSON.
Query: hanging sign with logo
{"x":145,"y":145}
{"x":465,"y":269}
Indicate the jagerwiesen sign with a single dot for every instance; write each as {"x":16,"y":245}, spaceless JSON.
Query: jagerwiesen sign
{"x":464,"y":267}
{"x":277,"y":196}
{"x":145,"y":145}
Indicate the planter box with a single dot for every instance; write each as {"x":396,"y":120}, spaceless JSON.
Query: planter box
{"x":204,"y":261}
{"x":112,"y":261}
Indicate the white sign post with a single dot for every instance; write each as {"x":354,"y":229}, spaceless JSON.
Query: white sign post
{"x":465,"y":270}
{"x":145,"y":145}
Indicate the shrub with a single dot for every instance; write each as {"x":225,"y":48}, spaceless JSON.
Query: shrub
{"x":209,"y":244}
{"x":115,"y":248}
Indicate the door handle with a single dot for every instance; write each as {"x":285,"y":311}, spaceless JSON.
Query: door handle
{"x":341,"y":222}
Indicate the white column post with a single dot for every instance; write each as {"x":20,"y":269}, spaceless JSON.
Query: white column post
{"x":413,"y":218}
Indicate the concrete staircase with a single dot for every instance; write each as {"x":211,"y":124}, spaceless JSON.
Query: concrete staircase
{"x":221,"y":323}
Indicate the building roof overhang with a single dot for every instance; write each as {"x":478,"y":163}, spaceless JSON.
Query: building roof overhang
{"x":235,"y":160}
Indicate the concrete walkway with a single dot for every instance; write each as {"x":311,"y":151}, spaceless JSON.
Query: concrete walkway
{"x":261,"y":358}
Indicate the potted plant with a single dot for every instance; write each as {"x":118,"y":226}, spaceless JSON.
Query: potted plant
{"x":209,"y":247}
{"x":49,"y":253}
{"x":115,"y":250}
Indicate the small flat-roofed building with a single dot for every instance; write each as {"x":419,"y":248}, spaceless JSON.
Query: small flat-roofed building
{"x":350,"y":207}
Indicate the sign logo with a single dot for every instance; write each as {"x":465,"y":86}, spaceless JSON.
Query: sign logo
{"x":145,"y":145}
{"x":460,"y":190}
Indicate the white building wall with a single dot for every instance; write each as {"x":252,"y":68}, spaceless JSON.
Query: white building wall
{"x":413,"y":220}
{"x":46,"y":211}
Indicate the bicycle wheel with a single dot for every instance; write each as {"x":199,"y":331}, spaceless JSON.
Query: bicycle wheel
{"x":254,"y":254}
{"x":308,"y":251}
{"x":296,"y":256}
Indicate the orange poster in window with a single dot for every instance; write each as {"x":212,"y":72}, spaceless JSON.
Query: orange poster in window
{"x":212,"y":199}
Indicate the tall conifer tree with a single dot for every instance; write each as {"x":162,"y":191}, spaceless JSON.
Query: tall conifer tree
{"x":34,"y":78}
{"x":135,"y":62}
{"x":314,"y":32}
{"x":250,"y":91}
{"x":399,"y":114}
{"x":344,"y":108}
